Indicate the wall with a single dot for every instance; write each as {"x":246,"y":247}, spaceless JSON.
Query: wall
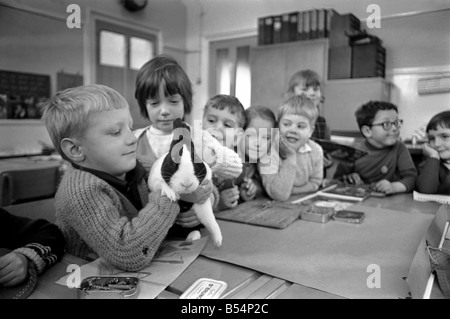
{"x":34,"y":38}
{"x":417,"y":45}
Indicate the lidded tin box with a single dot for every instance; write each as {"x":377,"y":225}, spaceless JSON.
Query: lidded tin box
{"x":109,"y":287}
{"x":320,"y":212}
{"x":205,"y":288}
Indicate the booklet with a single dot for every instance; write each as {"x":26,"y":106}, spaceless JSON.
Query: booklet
{"x":421,"y":197}
{"x":353,"y":192}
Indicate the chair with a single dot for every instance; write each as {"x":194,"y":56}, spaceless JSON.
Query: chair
{"x":43,"y":208}
{"x":19,"y":186}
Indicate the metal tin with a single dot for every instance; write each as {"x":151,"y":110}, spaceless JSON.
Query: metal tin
{"x":319,"y":212}
{"x":205,"y":288}
{"x":108,"y":287}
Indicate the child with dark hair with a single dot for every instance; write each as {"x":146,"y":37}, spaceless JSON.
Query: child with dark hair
{"x":388,"y":166}
{"x":434,"y":172}
{"x":164,"y":93}
{"x":254,"y":146}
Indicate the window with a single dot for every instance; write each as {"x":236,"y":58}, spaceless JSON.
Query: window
{"x":230,"y":68}
{"x":121,"y":52}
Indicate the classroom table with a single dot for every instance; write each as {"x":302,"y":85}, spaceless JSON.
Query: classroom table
{"x":243,"y":283}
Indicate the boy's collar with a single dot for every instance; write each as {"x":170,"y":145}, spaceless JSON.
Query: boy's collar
{"x":305,"y":148}
{"x":133,"y":176}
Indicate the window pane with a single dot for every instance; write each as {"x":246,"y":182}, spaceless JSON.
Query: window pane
{"x":223,"y":72}
{"x":243,"y":77}
{"x":141,"y":51}
{"x":112,"y":49}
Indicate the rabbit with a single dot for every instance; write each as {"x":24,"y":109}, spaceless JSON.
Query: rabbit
{"x":181,"y":171}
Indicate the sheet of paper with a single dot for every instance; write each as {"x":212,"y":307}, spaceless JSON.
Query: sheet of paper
{"x":368,"y":260}
{"x":172,"y":259}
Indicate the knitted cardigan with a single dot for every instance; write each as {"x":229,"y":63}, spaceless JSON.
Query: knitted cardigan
{"x":98,"y":221}
{"x":39,"y":240}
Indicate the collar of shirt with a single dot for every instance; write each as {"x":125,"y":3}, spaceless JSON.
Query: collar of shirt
{"x":131,"y":178}
{"x":305,"y":148}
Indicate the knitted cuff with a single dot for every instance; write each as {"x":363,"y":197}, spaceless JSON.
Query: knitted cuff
{"x":228,"y":164}
{"x":32,"y":255}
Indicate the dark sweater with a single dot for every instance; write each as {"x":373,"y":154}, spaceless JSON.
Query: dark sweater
{"x":434,"y":177}
{"x":39,"y":240}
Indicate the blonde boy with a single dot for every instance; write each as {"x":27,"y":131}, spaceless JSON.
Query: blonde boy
{"x":102,"y":203}
{"x":299,"y":162}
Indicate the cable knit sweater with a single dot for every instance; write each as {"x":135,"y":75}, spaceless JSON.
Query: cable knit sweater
{"x":98,"y":221}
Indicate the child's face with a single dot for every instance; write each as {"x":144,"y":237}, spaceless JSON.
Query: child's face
{"x":221,"y":124}
{"x":440,"y":141}
{"x":109,"y":145}
{"x":378,"y":135}
{"x":295,"y":129}
{"x":257,"y":138}
{"x":312,"y":92}
{"x":162,"y":111}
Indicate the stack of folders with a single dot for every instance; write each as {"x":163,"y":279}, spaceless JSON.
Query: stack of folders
{"x":295,"y":26}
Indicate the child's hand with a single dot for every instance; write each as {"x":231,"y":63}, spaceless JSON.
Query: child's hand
{"x":229,"y":197}
{"x":187,"y":219}
{"x":201,"y":194}
{"x":353,"y":178}
{"x":248,"y":189}
{"x":286,"y":151}
{"x":383,"y":186}
{"x":429,"y":151}
{"x":13,"y":269}
{"x":327,"y":161}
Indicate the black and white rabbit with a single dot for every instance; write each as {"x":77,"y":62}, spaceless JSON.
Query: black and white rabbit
{"x":181,"y":171}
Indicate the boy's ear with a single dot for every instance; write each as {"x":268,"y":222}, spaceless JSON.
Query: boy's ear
{"x":366,"y":131}
{"x":72,"y":150}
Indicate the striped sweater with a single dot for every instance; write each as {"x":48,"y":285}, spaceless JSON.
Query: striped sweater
{"x":98,"y":221}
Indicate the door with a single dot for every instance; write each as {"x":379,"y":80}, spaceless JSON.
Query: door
{"x":120,"y":52}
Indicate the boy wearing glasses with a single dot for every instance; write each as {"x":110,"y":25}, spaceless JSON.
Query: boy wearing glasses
{"x":388,"y":166}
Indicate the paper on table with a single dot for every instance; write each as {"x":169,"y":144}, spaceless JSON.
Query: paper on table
{"x":443,"y":199}
{"x":338,"y":258}
{"x":172,"y":259}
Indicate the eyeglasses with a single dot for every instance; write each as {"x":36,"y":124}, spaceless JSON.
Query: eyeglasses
{"x":388,"y":125}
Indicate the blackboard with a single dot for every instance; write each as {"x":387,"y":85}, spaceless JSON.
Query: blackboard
{"x":21,"y":93}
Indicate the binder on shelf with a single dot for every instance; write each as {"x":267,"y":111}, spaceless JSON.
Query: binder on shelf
{"x":300,"y":26}
{"x":306,"y":25}
{"x":293,"y":25}
{"x":285,"y":27}
{"x":276,"y":36}
{"x":261,"y":30}
{"x":313,"y":24}
{"x":321,"y":23}
{"x":268,"y":30}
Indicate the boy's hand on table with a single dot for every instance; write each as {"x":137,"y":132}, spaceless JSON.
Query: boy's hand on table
{"x":248,"y":189}
{"x":353,"y":178}
{"x":229,"y":197}
{"x":13,"y":269}
{"x":383,"y":186}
